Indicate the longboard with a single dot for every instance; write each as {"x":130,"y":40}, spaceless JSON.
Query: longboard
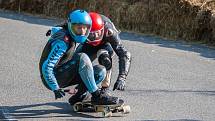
{"x":107,"y":110}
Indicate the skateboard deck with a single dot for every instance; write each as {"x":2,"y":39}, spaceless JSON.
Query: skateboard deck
{"x":106,"y":110}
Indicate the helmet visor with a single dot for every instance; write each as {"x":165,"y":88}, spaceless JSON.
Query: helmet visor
{"x":80,"y":29}
{"x":96,"y":35}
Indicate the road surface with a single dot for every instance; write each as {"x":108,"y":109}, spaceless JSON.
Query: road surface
{"x":168,"y":80}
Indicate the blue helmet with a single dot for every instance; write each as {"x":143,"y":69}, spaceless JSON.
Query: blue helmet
{"x":79,"y":18}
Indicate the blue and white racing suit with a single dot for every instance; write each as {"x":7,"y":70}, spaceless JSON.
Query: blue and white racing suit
{"x":60,"y":66}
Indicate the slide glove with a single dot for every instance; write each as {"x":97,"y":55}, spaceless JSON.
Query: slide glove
{"x":119,"y":84}
{"x":59,"y":93}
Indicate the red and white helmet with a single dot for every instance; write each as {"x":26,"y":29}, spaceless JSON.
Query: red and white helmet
{"x":97,"y":29}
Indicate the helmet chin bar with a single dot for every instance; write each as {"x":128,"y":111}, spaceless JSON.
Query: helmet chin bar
{"x":94,"y":43}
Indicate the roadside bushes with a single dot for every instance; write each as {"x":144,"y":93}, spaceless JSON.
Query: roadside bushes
{"x":191,"y":20}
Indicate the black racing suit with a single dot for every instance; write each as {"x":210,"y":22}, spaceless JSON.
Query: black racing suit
{"x":111,"y":42}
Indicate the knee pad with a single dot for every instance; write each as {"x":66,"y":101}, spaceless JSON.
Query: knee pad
{"x":104,"y":59}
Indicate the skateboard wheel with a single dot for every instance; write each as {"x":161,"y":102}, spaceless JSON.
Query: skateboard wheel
{"x":126,"y":109}
{"x":78,"y":107}
{"x":107,"y":114}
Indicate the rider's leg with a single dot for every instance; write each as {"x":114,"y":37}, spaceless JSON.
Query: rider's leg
{"x":77,"y":69}
{"x":87,"y":75}
{"x":106,"y":83}
{"x":99,"y":75}
{"x":104,"y":56}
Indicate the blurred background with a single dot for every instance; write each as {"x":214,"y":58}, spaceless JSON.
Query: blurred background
{"x":190,"y":20}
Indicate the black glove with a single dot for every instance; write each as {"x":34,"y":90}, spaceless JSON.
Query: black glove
{"x":119,"y":84}
{"x":59,"y":93}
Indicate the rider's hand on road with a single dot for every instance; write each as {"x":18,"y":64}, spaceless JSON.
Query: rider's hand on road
{"x":59,"y":93}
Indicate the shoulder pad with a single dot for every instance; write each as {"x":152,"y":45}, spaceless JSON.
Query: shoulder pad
{"x":59,"y":35}
{"x":63,"y":36}
{"x":110,"y":29}
{"x":109,"y":32}
{"x":55,"y":29}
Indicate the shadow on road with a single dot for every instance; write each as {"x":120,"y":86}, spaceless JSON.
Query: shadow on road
{"x":181,"y":45}
{"x":33,"y":111}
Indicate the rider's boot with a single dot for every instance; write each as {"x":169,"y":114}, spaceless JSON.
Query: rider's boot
{"x":106,"y":91}
{"x":102,"y":99}
{"x":79,"y":96}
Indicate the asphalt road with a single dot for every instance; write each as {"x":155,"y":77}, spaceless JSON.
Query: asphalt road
{"x":168,"y":80}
